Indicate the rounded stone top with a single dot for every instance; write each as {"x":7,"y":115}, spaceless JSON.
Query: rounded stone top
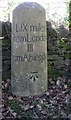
{"x":29,"y":5}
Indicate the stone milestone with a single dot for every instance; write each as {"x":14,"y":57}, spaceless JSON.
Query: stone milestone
{"x":29,"y":50}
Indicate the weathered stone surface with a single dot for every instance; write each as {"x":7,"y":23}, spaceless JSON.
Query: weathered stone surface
{"x":6,"y":60}
{"x":6,"y":30}
{"x":29,"y":50}
{"x":0,"y":29}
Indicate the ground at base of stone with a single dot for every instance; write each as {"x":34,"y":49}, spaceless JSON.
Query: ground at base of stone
{"x":54,"y":104}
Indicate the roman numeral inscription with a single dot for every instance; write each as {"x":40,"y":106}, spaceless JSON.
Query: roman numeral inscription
{"x":31,"y":28}
{"x":29,"y":50}
{"x":21,"y":27}
{"x":29,"y":47}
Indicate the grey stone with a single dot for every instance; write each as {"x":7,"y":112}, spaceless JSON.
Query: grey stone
{"x":6,"y":68}
{"x":0,"y":63}
{"x":29,"y":50}
{"x":62,"y":32}
{"x":7,"y":62}
{"x":0,"y":29}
